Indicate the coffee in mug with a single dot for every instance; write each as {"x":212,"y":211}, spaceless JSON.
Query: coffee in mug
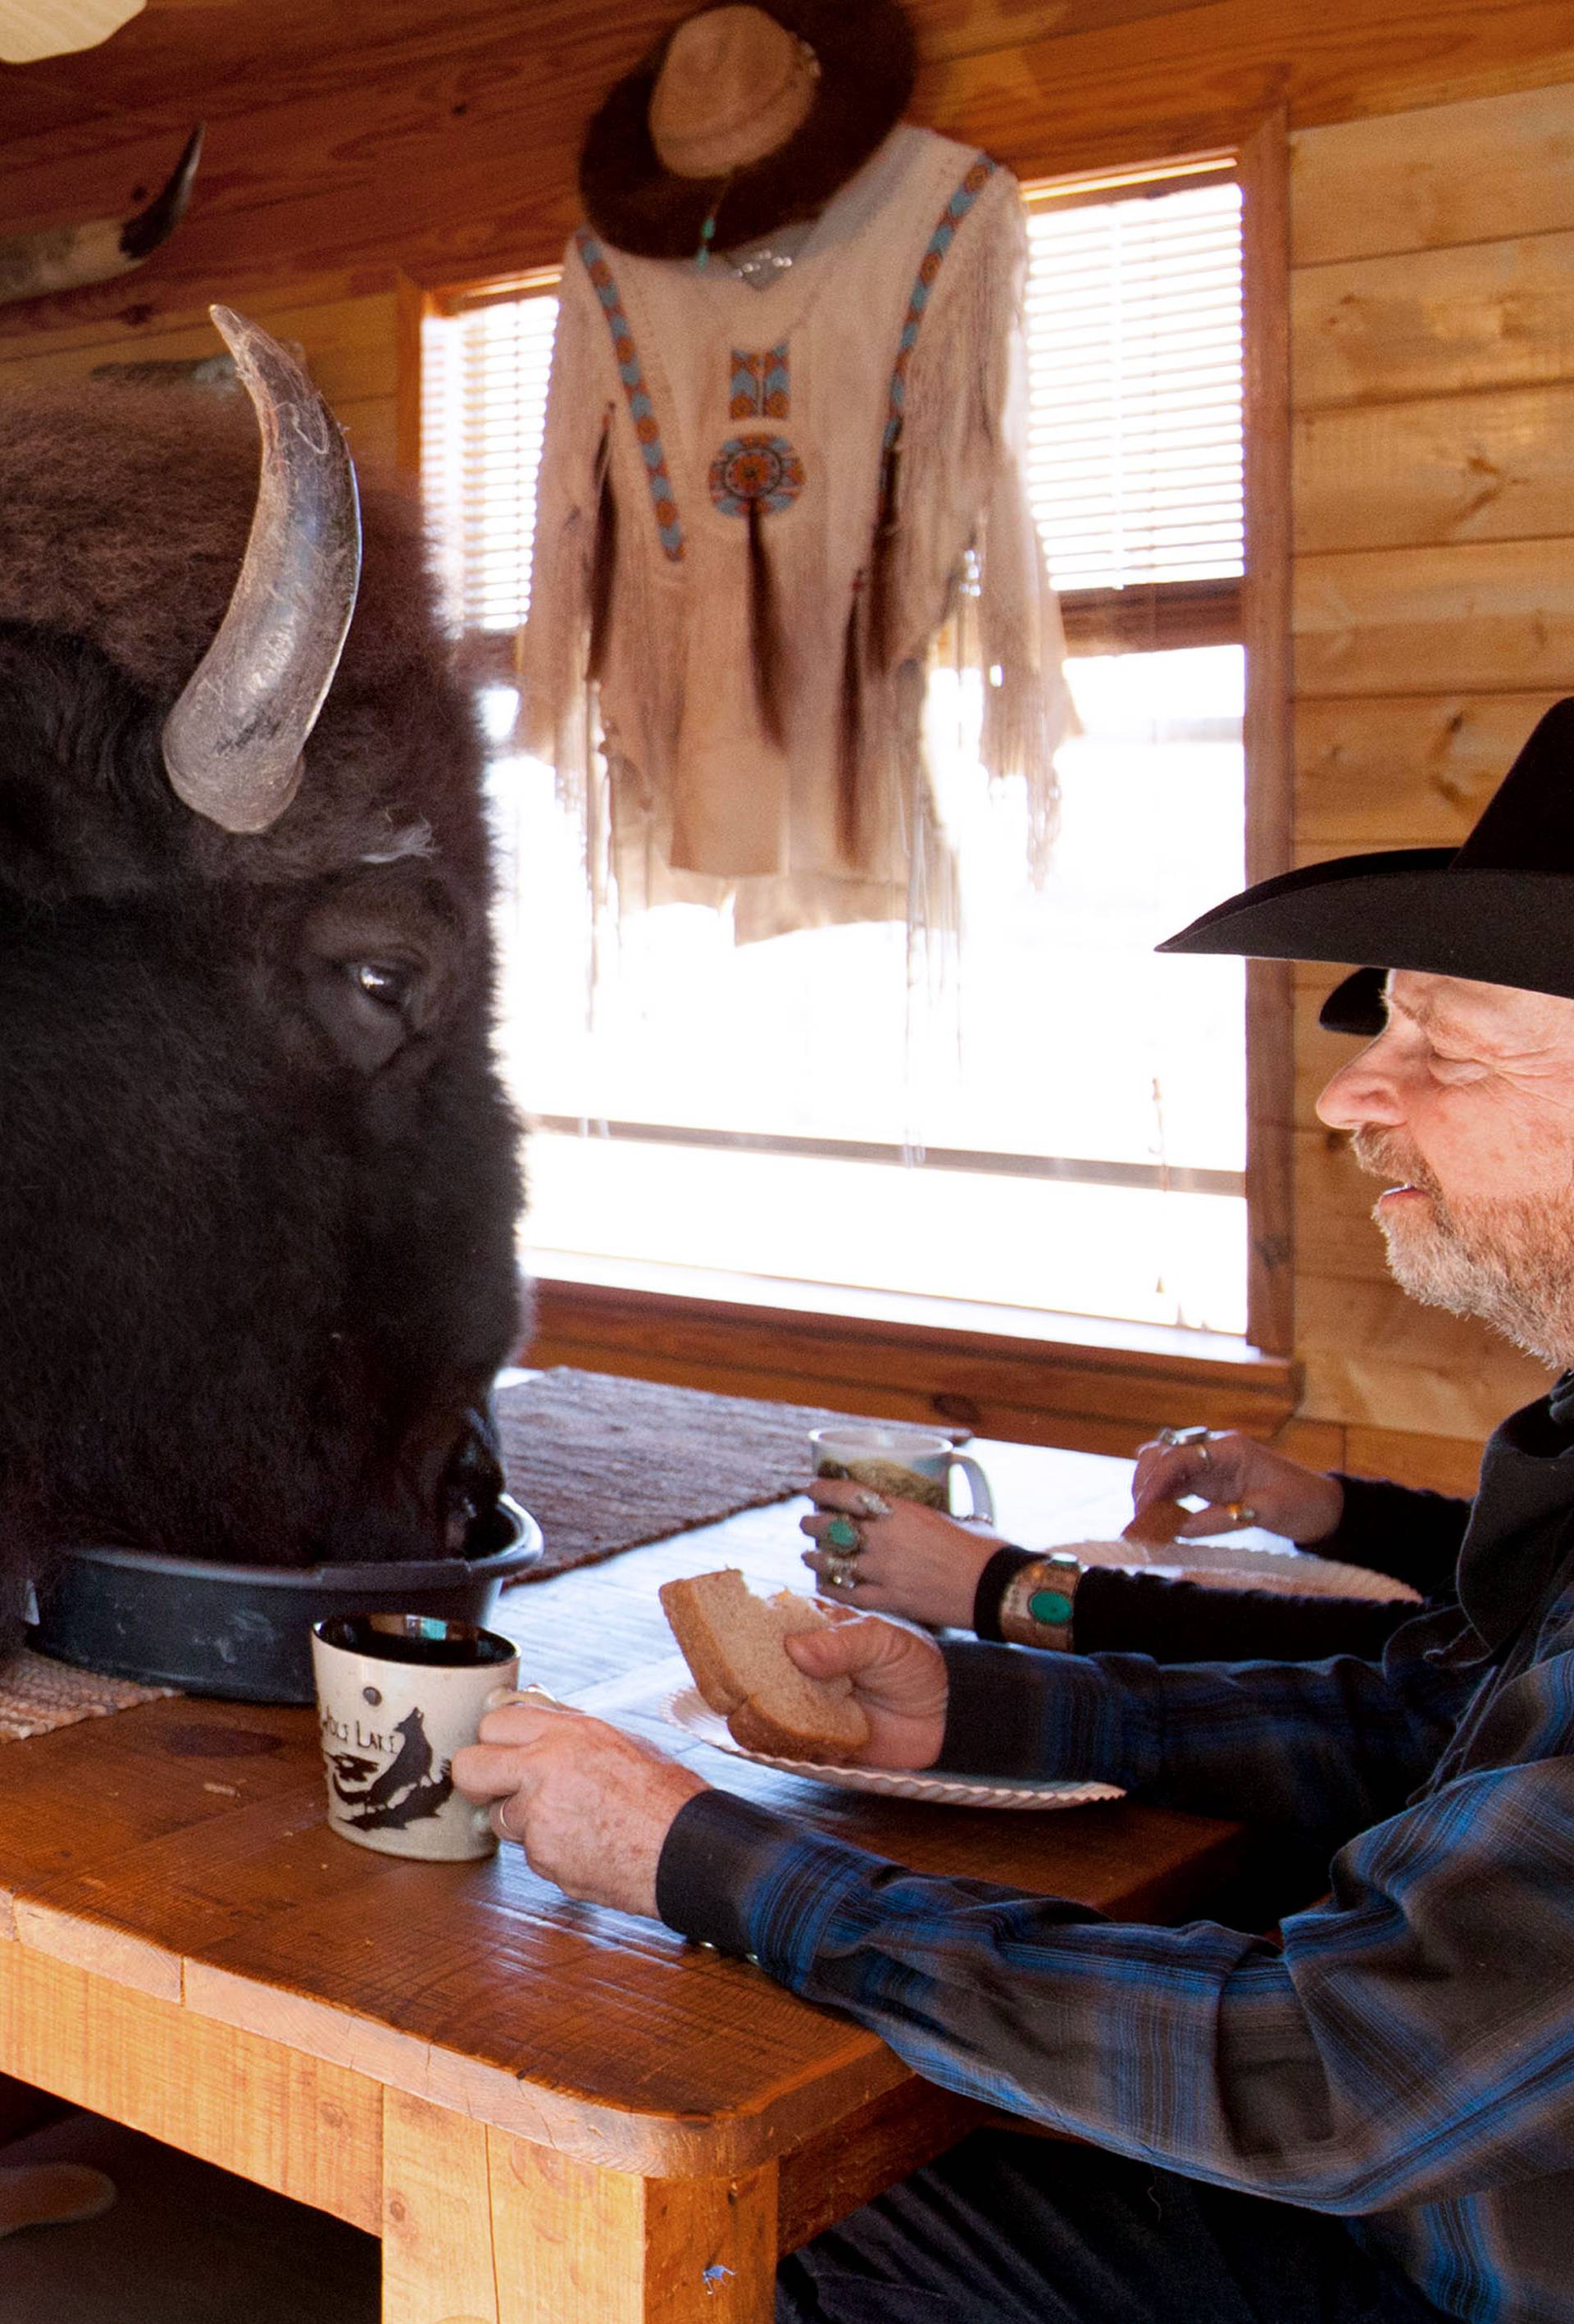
{"x":398,"y":1694}
{"x":901,"y":1465}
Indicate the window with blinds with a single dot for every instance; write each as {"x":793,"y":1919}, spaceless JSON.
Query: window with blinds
{"x":483,"y":401}
{"x":1078,"y":1156}
{"x":1135,"y":466}
{"x":1135,"y":349}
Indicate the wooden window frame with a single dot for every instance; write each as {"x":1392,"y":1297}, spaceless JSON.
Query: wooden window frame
{"x":1094,"y":1386}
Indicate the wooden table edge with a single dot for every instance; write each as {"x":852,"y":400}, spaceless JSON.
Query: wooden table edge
{"x":647,"y":2145}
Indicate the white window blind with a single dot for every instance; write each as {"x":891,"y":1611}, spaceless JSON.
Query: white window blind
{"x":1133,"y":326}
{"x":483,"y":401}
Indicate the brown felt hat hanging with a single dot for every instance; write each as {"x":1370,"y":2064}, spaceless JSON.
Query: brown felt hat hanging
{"x":749,"y":118}
{"x":1498,"y":910}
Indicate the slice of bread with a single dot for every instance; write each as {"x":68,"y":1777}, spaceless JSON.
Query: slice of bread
{"x":1157,"y":1525}
{"x":731,"y":1641}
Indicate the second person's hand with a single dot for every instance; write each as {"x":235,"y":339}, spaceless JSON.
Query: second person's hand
{"x":912,"y":1559}
{"x":1224,"y":1467}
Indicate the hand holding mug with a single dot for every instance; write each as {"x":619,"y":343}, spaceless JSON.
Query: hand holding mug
{"x":590,"y":1805}
{"x":904,"y":1557}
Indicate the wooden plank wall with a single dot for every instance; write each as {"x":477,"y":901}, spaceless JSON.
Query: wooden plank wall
{"x":1432,"y":363}
{"x":1432,"y":307}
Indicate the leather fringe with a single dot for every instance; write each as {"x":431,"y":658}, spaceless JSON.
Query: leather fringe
{"x":604,"y":555}
{"x":764,"y":630}
{"x":866,"y":656}
{"x":882,"y":558}
{"x":850,"y":735}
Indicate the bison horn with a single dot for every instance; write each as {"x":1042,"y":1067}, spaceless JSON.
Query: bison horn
{"x":233,"y":743}
{"x":69,"y":257}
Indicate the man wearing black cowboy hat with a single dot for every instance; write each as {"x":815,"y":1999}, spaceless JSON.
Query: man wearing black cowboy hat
{"x":1372,"y":2117}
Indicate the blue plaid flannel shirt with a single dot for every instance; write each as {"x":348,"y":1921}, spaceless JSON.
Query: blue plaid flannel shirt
{"x":1405,"y":2058}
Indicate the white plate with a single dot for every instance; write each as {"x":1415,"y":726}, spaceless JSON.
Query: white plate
{"x":1237,"y":1566}
{"x":689,"y":1709}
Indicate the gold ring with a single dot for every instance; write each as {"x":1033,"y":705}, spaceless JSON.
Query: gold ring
{"x":1240,"y":1513}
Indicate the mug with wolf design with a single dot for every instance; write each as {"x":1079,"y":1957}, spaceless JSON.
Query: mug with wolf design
{"x":397,"y":1695}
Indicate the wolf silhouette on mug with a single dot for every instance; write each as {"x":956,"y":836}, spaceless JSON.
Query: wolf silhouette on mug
{"x":411,"y":1787}
{"x":258,"y":1180}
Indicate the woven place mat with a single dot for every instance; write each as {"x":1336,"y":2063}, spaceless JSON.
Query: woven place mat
{"x":604,"y":1463}
{"x":37,"y":1695}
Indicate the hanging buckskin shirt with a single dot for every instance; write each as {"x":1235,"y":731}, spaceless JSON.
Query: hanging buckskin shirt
{"x":756,"y":508}
{"x":1406,"y":2059}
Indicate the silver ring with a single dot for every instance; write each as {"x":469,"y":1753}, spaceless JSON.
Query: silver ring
{"x":1194,"y":1439}
{"x":871,"y":1505}
{"x":838,"y":1574}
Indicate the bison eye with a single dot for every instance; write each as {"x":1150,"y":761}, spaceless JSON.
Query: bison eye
{"x":369,"y":1007}
{"x":383,"y":982}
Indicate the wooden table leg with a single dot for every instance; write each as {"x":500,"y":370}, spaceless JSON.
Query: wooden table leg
{"x":574,"y":2244}
{"x":436,"y":2216}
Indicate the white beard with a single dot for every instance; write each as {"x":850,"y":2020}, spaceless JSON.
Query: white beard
{"x":1509,"y":1264}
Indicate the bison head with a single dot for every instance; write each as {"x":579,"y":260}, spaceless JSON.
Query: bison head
{"x":257,"y":1178}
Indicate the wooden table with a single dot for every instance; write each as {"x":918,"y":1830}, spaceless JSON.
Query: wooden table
{"x":550,"y":2114}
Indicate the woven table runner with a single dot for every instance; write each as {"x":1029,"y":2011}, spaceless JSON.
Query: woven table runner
{"x":38,"y":1695}
{"x":604,"y":1463}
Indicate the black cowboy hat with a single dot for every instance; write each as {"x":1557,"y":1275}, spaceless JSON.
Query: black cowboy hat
{"x":867,"y":62}
{"x":1499,"y":910}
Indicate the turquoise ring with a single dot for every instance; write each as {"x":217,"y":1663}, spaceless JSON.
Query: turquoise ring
{"x":842,"y":1535}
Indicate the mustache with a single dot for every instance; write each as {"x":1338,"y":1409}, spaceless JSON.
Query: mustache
{"x":1382,"y":1155}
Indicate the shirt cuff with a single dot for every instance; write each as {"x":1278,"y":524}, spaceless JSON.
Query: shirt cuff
{"x":993,"y":1582}
{"x":734,"y":1876}
{"x":715,"y":1846}
{"x":1018,"y":1710}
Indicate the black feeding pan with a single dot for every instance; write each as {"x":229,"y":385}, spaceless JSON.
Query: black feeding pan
{"x":244,"y":1631}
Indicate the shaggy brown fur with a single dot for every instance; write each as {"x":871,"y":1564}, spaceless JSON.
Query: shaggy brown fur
{"x":256,"y":1219}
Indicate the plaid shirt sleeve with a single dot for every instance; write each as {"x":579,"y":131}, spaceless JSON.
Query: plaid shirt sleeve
{"x":1408,"y":2044}
{"x":1322,"y":1747}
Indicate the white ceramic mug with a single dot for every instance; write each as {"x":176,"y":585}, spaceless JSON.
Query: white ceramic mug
{"x":397,"y":1695}
{"x":902,"y":1465}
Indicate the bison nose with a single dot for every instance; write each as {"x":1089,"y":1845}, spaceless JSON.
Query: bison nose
{"x":471,"y":1481}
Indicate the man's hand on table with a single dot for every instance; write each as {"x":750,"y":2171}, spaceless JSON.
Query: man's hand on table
{"x":590,"y":1805}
